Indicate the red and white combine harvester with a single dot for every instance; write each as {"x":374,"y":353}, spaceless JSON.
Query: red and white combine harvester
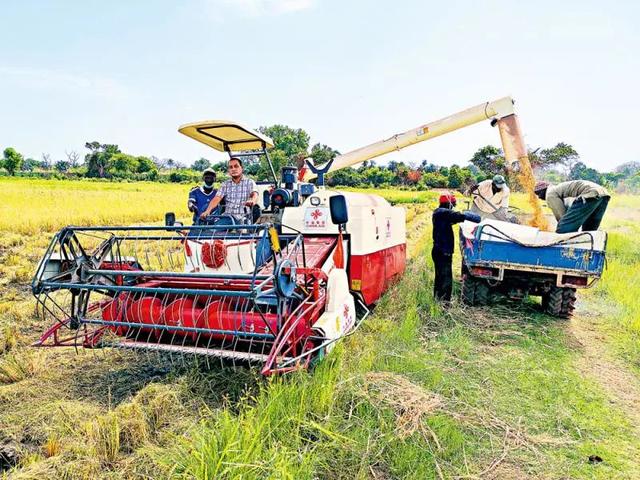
{"x":277,"y":291}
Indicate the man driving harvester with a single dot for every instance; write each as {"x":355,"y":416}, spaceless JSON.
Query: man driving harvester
{"x":240,"y":193}
{"x":491,"y":199}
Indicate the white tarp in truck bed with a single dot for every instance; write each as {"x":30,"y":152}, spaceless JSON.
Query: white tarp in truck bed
{"x":498,"y":231}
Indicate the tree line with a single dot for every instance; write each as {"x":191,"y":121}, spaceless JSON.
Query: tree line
{"x":292,"y":145}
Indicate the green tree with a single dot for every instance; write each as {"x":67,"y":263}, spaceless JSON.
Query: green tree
{"x":122,"y":165}
{"x":290,"y":144}
{"x":427,"y":167}
{"x":220,"y":167}
{"x":562,"y":154}
{"x":322,"y":154}
{"x":581,"y":172}
{"x":62,"y":166}
{"x":489,"y":159}
{"x":12,"y":160}
{"x":98,"y":158}
{"x":376,"y":176}
{"x":393,"y":165}
{"x":30,"y":164}
{"x":345,"y":177}
{"x":145,"y":165}
{"x":455,"y":177}
{"x":435,"y":180}
{"x":628,"y":169}
{"x":402,"y":174}
{"x":291,"y":141}
{"x":201,"y":164}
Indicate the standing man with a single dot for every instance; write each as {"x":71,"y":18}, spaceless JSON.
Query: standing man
{"x":239,"y":193}
{"x":491,"y":199}
{"x":200,"y":197}
{"x":443,"y":219}
{"x":590,"y":201}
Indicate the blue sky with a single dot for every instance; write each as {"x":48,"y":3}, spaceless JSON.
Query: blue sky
{"x":348,"y":72}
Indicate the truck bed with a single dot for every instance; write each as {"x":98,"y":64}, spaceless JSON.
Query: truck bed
{"x":501,"y":245}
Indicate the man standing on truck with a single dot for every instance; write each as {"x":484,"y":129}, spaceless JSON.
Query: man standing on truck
{"x":491,"y":199}
{"x":590,"y":201}
{"x":201,"y":196}
{"x":443,"y":219}
{"x":240,"y":193}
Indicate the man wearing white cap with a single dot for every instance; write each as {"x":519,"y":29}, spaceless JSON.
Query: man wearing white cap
{"x":491,"y":199}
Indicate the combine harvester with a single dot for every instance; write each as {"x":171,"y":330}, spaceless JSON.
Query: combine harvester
{"x":277,"y":291}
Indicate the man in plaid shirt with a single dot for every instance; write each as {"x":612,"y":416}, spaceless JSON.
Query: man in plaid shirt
{"x":239,"y":192}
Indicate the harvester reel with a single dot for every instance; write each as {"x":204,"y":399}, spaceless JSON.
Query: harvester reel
{"x":151,"y":289}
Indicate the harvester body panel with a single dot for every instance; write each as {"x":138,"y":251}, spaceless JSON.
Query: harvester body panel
{"x":376,"y":232}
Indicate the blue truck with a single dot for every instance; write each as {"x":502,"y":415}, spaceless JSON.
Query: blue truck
{"x":520,"y":261}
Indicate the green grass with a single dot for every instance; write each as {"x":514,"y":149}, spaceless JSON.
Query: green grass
{"x":399,"y":196}
{"x":506,"y":382}
{"x":417,"y":392}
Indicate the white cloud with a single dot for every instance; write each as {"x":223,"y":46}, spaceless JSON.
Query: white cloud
{"x":256,"y":8}
{"x":49,"y":79}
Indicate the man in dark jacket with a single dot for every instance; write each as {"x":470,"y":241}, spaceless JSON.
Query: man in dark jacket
{"x":443,"y":219}
{"x":200,"y":197}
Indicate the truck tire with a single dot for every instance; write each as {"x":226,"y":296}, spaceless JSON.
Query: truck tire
{"x":475,"y":291}
{"x":482,"y":292}
{"x":559,"y":302}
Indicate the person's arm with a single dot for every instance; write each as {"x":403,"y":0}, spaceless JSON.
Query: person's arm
{"x":191,"y":203}
{"x":472,"y":189}
{"x":212,"y":206}
{"x":505,"y":198}
{"x":215,"y":201}
{"x":556,"y":204}
{"x":458,"y":217}
{"x":472,"y":217}
{"x":253,"y":198}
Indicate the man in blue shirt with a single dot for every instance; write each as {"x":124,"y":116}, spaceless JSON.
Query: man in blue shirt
{"x":200,"y":197}
{"x":443,"y":219}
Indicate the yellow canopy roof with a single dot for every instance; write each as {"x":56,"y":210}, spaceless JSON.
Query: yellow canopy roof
{"x":226,"y":136}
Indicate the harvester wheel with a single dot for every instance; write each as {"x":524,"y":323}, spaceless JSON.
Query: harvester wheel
{"x":475,"y":291}
{"x":559,"y":302}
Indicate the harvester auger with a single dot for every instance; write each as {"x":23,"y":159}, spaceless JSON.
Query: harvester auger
{"x":277,"y":291}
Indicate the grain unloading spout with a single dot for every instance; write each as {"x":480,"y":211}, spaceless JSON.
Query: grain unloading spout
{"x":498,"y":109}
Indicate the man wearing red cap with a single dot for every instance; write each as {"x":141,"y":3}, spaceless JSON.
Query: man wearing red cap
{"x":443,"y":219}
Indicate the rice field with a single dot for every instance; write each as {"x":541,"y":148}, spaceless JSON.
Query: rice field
{"x":419,"y":392}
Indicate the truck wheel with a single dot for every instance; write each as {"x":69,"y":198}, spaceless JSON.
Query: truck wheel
{"x":475,"y":292}
{"x":559,"y":302}
{"x":482,"y":292}
{"x":468,"y":289}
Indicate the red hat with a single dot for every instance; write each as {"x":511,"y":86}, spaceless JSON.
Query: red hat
{"x":448,"y":198}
